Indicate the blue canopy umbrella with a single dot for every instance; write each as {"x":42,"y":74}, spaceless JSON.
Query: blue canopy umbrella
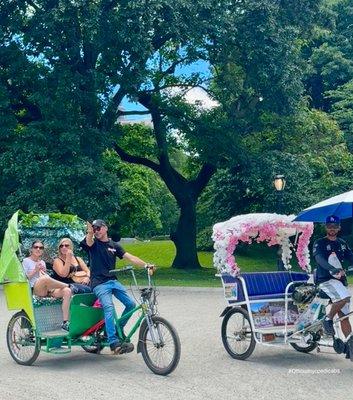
{"x":341,"y":206}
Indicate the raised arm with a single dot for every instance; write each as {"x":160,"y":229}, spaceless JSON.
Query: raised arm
{"x":89,"y":235}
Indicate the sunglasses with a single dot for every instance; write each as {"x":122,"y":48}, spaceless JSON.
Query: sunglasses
{"x":332,"y":227}
{"x":64,"y":245}
{"x":96,"y":228}
{"x":39,"y":247}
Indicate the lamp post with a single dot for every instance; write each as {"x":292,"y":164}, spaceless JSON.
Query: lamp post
{"x":279,"y":183}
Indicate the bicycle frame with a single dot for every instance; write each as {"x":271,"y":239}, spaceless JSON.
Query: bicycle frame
{"x":143,"y":307}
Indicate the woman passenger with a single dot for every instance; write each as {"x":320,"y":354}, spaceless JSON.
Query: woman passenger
{"x":71,"y":269}
{"x":42,"y":284}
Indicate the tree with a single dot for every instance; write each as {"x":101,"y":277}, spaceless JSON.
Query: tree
{"x":95,"y":53}
{"x":330,"y":55}
{"x":309,"y":149}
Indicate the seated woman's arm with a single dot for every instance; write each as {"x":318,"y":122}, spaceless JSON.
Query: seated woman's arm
{"x":83,"y":265}
{"x":62,"y":269}
{"x":40,"y":265}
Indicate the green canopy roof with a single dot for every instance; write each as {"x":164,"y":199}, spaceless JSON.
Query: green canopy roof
{"x":10,"y":266}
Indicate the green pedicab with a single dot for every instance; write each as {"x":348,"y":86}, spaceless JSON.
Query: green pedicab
{"x":36,"y":326}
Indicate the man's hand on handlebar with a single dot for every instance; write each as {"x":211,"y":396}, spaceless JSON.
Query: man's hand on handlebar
{"x":150,"y":269}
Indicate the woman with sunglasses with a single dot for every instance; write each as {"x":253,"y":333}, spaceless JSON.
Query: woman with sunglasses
{"x":42,"y":284}
{"x":71,"y":269}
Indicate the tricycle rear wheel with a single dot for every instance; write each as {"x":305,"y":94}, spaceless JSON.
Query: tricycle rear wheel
{"x":23,"y":345}
{"x":237,"y":335}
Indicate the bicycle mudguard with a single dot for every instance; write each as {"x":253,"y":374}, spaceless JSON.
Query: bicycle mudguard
{"x":224,"y":312}
{"x":142,"y":328}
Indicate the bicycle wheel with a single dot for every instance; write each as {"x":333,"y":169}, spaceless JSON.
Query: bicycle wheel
{"x":237,"y":334}
{"x":22,"y":343}
{"x":163,"y":356}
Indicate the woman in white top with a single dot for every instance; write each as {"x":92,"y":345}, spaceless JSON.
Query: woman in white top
{"x":42,"y":284}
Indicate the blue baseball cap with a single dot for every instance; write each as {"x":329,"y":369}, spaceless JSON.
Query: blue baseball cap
{"x":332,"y":219}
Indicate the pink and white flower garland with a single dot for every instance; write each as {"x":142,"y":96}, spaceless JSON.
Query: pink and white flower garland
{"x":274,"y":229}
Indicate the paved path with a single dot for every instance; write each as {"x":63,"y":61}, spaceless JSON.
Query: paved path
{"x":205,"y":370}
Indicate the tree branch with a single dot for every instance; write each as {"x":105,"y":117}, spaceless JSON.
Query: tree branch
{"x":110,"y":114}
{"x":181,"y":85}
{"x":202,"y":179}
{"x":136,"y":159}
{"x":133,"y":112}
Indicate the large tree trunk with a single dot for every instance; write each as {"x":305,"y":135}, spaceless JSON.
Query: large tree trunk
{"x":184,"y":238}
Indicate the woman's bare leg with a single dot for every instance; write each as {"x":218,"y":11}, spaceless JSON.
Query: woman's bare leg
{"x":46,"y":283}
{"x":64,"y":294}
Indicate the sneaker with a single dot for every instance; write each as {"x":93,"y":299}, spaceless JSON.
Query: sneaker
{"x":328,"y":327}
{"x":65,"y":325}
{"x":121,"y":348}
{"x":115,"y":347}
{"x":127,"y":348}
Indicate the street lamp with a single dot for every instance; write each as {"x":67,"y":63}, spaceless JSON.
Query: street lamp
{"x":279,"y":182}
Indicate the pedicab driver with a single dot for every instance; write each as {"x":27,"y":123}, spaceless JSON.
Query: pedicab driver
{"x":102,"y":253}
{"x":329,"y":253}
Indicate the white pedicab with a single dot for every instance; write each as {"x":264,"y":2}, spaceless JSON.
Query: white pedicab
{"x":270,"y":308}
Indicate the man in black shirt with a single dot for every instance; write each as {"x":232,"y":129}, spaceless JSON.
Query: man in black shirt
{"x":329,"y":253}
{"x":102,"y":253}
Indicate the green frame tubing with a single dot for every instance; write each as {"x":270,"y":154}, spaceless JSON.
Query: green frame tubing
{"x":128,"y":315}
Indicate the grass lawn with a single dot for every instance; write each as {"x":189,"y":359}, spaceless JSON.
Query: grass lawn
{"x":161,"y":253}
{"x":254,"y":258}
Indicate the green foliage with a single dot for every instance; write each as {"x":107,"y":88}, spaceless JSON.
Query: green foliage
{"x":66,"y":66}
{"x":51,"y":220}
{"x":49,"y":228}
{"x":204,"y":239}
{"x":146,"y":206}
{"x":308,"y":149}
{"x":330,"y":56}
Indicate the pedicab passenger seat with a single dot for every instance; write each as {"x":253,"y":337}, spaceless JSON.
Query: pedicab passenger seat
{"x":262,"y":285}
{"x":48,"y":313}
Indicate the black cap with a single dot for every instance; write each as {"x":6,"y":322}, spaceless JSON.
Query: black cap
{"x":98,"y":222}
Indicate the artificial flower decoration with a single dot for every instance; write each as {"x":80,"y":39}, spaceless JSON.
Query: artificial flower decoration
{"x":274,"y":229}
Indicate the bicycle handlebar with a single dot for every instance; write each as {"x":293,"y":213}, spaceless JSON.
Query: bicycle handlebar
{"x":117,"y":271}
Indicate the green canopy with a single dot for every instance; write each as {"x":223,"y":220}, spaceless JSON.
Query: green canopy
{"x":10,"y":266}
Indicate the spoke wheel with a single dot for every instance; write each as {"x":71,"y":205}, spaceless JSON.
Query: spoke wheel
{"x":163,"y":356}
{"x":237,"y":335}
{"x":22,"y":343}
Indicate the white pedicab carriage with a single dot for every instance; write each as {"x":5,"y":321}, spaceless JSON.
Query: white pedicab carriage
{"x":260,"y":304}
